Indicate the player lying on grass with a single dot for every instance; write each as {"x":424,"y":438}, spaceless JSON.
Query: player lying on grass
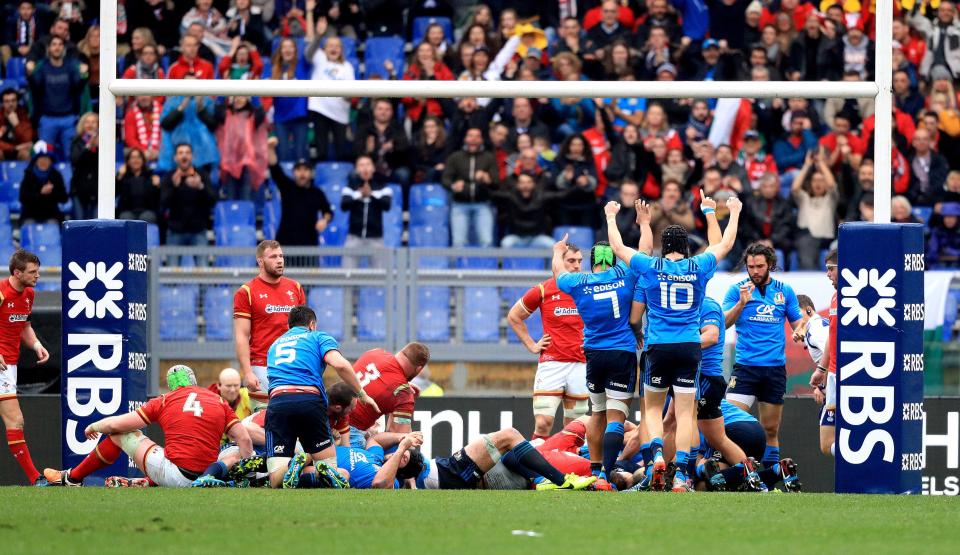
{"x":341,"y":401}
{"x":192,"y":419}
{"x":372,"y":468}
{"x":466,"y":468}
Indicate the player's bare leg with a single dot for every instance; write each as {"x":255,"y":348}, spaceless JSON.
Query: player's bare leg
{"x":613,"y":432}
{"x":770,"y":417}
{"x":13,"y":424}
{"x":595,"y":427}
{"x":545,"y":405}
{"x":519,"y":456}
{"x":716,"y":436}
{"x":828,"y":438}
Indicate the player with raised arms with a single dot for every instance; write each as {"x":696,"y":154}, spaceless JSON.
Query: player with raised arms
{"x":192,"y":419}
{"x":603,"y":298}
{"x":759,"y":305}
{"x":260,"y":309}
{"x":386,"y":377}
{"x":16,"y":304}
{"x":675,"y":285}
{"x":298,"y":404}
{"x":562,"y":369}
{"x":825,"y":376}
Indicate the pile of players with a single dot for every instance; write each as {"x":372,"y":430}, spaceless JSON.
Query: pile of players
{"x":693,"y":433}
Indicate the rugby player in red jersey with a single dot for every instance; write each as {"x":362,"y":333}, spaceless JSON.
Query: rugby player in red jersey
{"x":192,"y":419}
{"x":825,"y":376}
{"x":562,"y":370}
{"x":16,"y":303}
{"x":385,"y":377}
{"x":260,"y":309}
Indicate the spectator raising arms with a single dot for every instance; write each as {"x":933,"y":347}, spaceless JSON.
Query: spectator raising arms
{"x":815,"y":192}
{"x":304,"y":209}
{"x":330,"y":115}
{"x":425,"y":65}
{"x":576,"y":175}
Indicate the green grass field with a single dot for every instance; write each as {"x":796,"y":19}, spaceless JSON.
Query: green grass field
{"x":95,"y":520}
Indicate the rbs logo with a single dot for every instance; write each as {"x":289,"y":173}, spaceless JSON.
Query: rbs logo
{"x":83,"y":277}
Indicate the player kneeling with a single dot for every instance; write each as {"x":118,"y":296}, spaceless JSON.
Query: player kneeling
{"x":192,"y":418}
{"x":466,"y":468}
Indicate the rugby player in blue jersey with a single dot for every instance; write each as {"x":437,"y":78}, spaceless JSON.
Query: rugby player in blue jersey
{"x":371,"y":468}
{"x":760,"y":306}
{"x":298,"y":403}
{"x":674,"y":285}
{"x":604,"y":299}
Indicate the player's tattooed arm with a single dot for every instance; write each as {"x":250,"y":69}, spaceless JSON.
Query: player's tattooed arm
{"x":621,"y":251}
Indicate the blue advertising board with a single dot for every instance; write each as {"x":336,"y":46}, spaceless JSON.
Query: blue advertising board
{"x":105,"y":369}
{"x":880,"y":359}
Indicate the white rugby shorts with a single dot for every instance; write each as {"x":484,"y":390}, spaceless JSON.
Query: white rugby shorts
{"x":567,"y":377}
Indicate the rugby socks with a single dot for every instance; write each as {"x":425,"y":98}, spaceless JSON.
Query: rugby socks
{"x":770,"y":476}
{"x":656,"y":446}
{"x":309,"y":481}
{"x":18,"y":448}
{"x":691,"y":469}
{"x":646,"y":453}
{"x":218,"y":470}
{"x":682,"y":460}
{"x":733,"y":476}
{"x":525,"y":456}
{"x":106,"y":453}
{"x":771,"y":455}
{"x":596,"y":468}
{"x":612,"y":444}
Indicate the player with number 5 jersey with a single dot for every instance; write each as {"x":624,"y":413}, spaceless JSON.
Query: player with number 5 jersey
{"x":385,"y":377}
{"x":674,"y":285}
{"x":604,"y":298}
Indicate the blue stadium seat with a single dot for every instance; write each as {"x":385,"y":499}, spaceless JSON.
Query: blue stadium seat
{"x":478,"y":262}
{"x":428,"y":194}
{"x":481,"y":315}
{"x":153,"y":236}
{"x":580,"y":236}
{"x":234,"y":212}
{"x":178,"y":312}
{"x":332,"y":173}
{"x":218,"y":313}
{"x":236,"y":236}
{"x":271,"y":219}
{"x":823,"y":258}
{"x":427,"y":236}
{"x":433,"y":313}
{"x":50,"y":255}
{"x":6,"y":250}
{"x":524,"y":263}
{"x":781,"y":259}
{"x":10,"y":184}
{"x":33,"y":236}
{"x":923,"y":213}
{"x":393,"y":219}
{"x":17,"y":70}
{"x":6,"y":230}
{"x":328,"y":303}
{"x":371,"y":314}
{"x":379,"y":49}
{"x":534,"y":326}
{"x":420,"y":25}
{"x":267,"y":68}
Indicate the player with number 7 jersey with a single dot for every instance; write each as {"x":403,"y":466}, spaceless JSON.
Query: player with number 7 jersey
{"x":385,"y":377}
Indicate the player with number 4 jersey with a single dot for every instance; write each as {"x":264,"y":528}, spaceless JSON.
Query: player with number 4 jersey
{"x":604,"y":298}
{"x":674,"y":286}
{"x":385,"y":377}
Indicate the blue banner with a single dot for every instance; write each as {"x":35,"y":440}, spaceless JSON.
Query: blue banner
{"x":880,"y":359}
{"x":105,"y":368}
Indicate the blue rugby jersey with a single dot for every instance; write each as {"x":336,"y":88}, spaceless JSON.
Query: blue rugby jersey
{"x":711,"y":358}
{"x":296,"y":358}
{"x":674,"y":290}
{"x":761,"y":336}
{"x":603,"y":300}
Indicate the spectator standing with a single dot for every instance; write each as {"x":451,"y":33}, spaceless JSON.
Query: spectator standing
{"x":790,"y":151}
{"x":290,"y":113}
{"x":526,"y":207}
{"x":89,"y":54}
{"x":430,"y":151}
{"x":188,"y":120}
{"x":607,"y":31}
{"x":425,"y":66}
{"x":16,"y":131}
{"x":83,"y":158}
{"x":42,"y":188}
{"x":146,"y":65}
{"x":943,"y":247}
{"x":815,"y":194}
{"x":928,"y":170}
{"x":187,"y":198}
{"x":304,"y":209}
{"x":215,"y":26}
{"x":56,"y":85}
{"x":670,"y":210}
{"x":243,"y":62}
{"x":190,"y":64}
{"x":943,"y":39}
{"x":330,"y":115}
{"x":242,"y":138}
{"x":23,"y":29}
{"x":245,"y":20}
{"x":386,"y":143}
{"x":815,"y":56}
{"x":576,"y":174}
{"x":365,"y":199}
{"x":770,"y":216}
{"x":141,"y":126}
{"x":159,"y":18}
{"x":38,"y":50}
{"x":471,"y":175}
{"x":138,"y":189}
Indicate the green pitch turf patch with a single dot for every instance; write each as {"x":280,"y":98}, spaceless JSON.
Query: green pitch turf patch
{"x":95,"y":520}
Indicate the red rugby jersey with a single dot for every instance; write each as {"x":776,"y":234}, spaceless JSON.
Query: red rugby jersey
{"x":382,"y":378}
{"x":193,"y":420}
{"x":15,"y":308}
{"x":267,"y":306}
{"x":561,"y":321}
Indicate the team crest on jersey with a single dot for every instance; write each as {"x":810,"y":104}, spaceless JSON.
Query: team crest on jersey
{"x":779,"y":299}
{"x":290,"y":294}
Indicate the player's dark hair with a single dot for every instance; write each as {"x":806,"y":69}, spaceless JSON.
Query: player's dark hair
{"x":20,"y":259}
{"x":341,"y":394}
{"x":805,"y":301}
{"x":760,"y":249}
{"x":674,"y":239}
{"x":301,"y":315}
{"x":414,"y":467}
{"x":572,"y":248}
{"x":832,"y":257}
{"x":619,"y":480}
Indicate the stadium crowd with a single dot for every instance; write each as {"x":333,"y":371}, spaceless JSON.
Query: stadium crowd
{"x":514,"y":168}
